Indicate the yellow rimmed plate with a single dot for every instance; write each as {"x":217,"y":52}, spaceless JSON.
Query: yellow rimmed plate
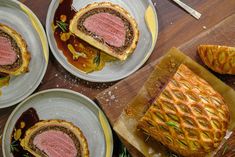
{"x":23,"y":20}
{"x":146,"y":17}
{"x":70,"y":106}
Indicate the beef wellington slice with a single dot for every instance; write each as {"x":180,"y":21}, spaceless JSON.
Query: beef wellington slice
{"x":107,"y":27}
{"x":14,"y":56}
{"x":53,"y":138}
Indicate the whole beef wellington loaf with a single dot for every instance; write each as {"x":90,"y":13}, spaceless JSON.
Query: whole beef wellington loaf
{"x":107,"y":27}
{"x":53,"y":138}
{"x":189,"y":116}
{"x":14,"y":56}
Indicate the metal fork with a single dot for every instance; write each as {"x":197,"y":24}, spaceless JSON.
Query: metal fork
{"x":190,"y":10}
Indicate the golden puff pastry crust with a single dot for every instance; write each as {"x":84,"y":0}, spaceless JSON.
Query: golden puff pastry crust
{"x":220,"y":59}
{"x":189,"y":116}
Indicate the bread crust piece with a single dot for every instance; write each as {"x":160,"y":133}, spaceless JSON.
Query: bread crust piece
{"x":25,"y":55}
{"x":59,"y":123}
{"x":220,"y":59}
{"x":189,"y":116}
{"x":129,"y":50}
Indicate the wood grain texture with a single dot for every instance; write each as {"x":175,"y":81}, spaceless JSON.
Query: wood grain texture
{"x":228,"y":148}
{"x":125,"y":90}
{"x":116,"y":98}
{"x":176,"y":27}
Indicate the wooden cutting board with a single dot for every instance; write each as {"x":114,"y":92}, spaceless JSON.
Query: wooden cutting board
{"x":114,"y":99}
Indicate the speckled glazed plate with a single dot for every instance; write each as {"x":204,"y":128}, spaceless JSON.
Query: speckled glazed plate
{"x":70,"y":106}
{"x":19,"y":17}
{"x":115,"y":70}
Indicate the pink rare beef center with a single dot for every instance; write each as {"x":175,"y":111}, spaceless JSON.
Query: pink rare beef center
{"x":7,"y":53}
{"x":108,"y":27}
{"x":55,"y":144}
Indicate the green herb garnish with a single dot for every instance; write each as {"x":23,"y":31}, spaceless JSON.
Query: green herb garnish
{"x":170,"y":123}
{"x":62,"y":25}
{"x":147,"y":138}
{"x":172,"y":155}
{"x":26,"y":155}
{"x":14,"y":146}
{"x":225,"y":149}
{"x":183,"y":143}
{"x":124,"y":152}
{"x":96,"y":60}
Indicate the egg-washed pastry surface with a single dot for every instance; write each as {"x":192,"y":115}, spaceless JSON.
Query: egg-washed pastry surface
{"x":52,"y":138}
{"x":189,"y":116}
{"x":107,"y":27}
{"x":14,"y":56}
{"x":220,"y":59}
{"x":162,"y":72}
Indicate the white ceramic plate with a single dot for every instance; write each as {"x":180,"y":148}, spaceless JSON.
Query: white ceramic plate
{"x":19,"y":17}
{"x":70,"y":106}
{"x":115,"y":70}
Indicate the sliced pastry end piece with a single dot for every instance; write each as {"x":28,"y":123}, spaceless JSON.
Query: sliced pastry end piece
{"x":189,"y":116}
{"x":220,"y":59}
{"x":107,"y":27}
{"x":14,"y":56}
{"x":52,"y":137}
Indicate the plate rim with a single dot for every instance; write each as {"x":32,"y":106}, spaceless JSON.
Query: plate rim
{"x":79,"y":73}
{"x":34,"y":17}
{"x":109,"y":131}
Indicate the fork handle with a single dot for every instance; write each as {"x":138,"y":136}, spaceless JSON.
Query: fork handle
{"x":190,"y":10}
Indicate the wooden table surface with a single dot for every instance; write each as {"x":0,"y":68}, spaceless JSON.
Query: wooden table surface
{"x":176,"y":27}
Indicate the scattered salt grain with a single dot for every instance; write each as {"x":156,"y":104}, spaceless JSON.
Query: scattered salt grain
{"x":157,"y":155}
{"x":57,"y":85}
{"x":204,"y":27}
{"x":112,"y":97}
{"x":150,"y":150}
{"x":56,"y":75}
